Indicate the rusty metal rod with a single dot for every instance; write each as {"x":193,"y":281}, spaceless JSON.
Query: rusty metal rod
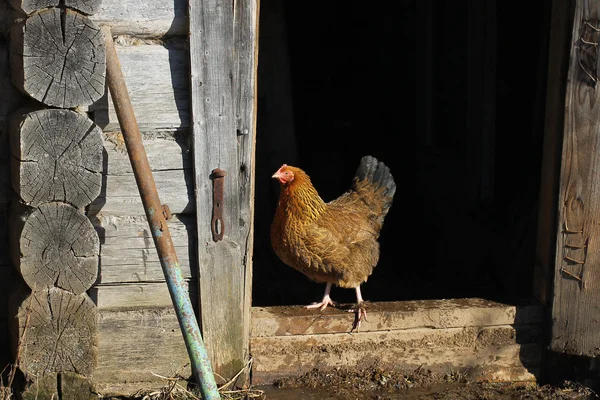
{"x":158,"y":225}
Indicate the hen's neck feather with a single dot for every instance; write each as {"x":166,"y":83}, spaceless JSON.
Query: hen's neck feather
{"x":300,"y":199}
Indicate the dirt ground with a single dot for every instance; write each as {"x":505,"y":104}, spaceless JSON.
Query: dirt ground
{"x":370,"y":384}
{"x":377,"y":384}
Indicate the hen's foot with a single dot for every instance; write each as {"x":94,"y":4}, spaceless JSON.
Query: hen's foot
{"x":360,"y":314}
{"x":323,"y":304}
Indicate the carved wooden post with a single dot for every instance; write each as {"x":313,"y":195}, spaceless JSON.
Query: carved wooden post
{"x":57,"y":57}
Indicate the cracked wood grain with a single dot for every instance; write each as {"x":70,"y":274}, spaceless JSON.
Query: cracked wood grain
{"x":55,"y":245}
{"x":61,"y":334}
{"x":56,"y":156}
{"x":58,"y":58}
{"x":576,"y":300}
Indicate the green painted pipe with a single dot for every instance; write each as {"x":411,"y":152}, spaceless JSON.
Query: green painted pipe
{"x":156,"y":215}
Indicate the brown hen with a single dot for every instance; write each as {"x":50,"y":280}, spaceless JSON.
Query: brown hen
{"x":336,"y":242}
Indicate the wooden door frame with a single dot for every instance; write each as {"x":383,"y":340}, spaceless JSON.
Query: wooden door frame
{"x":566,"y":272}
{"x":223,"y":60}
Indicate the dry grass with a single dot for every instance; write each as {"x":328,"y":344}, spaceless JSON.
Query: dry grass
{"x":178,"y":388}
{"x":6,"y":392}
{"x":174,"y":388}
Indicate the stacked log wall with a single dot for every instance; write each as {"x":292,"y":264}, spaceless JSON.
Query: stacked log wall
{"x":138,"y":333}
{"x":57,"y":60}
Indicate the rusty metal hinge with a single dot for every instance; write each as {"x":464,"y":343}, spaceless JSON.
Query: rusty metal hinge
{"x":217,"y":224}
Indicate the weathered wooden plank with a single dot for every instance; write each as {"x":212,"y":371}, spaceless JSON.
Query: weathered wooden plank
{"x":485,"y":353}
{"x":576,"y":303}
{"x":559,"y":50}
{"x":114,"y":230}
{"x":468,"y":336}
{"x":150,"y":18}
{"x":222,"y":53}
{"x":147,"y":259}
{"x":165,"y":150}
{"x":29,"y":6}
{"x":132,"y":345}
{"x":158,"y":83}
{"x":120,"y":195}
{"x":170,"y":160}
{"x":128,"y":253}
{"x":136,"y":295}
{"x":141,"y":271}
{"x":245,"y":95}
{"x":297,"y":320}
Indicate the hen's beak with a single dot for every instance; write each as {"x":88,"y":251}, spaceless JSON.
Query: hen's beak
{"x":277,"y":174}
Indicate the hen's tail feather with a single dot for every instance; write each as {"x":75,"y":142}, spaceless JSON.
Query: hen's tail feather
{"x":377,"y":173}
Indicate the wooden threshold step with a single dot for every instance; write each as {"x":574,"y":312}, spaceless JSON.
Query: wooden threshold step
{"x":297,"y":320}
{"x":485,"y":340}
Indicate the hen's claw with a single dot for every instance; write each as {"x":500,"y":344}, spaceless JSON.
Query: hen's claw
{"x":323,"y":304}
{"x":326,"y":300}
{"x":360,"y":314}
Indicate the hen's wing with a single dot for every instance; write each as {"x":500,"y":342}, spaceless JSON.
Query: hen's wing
{"x":343,"y":242}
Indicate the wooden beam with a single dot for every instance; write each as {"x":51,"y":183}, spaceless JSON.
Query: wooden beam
{"x":138,"y":295}
{"x":157,"y":78}
{"x":149,"y":18}
{"x":136,"y":347}
{"x":575,"y":311}
{"x":119,"y":196}
{"x":485,"y":340}
{"x":435,"y":314}
{"x":223,"y":66}
{"x":558,"y":66}
{"x":128,"y":254}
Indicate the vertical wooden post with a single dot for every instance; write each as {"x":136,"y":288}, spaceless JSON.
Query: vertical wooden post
{"x":558,"y":57}
{"x":575,"y":310}
{"x":223,"y":40}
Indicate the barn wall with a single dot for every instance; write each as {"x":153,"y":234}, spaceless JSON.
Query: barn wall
{"x":130,"y":292}
{"x":135,"y":322}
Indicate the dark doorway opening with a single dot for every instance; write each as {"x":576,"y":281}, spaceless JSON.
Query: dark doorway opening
{"x":466,"y":81}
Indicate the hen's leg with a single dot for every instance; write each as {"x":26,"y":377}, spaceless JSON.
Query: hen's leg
{"x":326,"y":300}
{"x":359,"y":311}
